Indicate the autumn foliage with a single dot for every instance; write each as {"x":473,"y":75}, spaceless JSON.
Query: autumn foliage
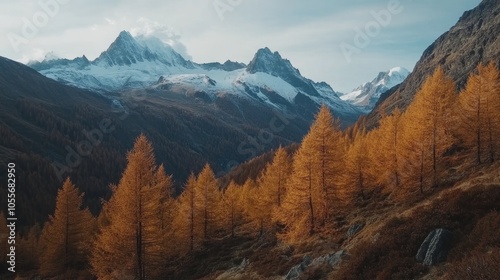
{"x":143,"y":231}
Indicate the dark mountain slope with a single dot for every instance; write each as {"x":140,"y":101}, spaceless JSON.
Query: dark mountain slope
{"x":474,"y":39}
{"x":44,"y":123}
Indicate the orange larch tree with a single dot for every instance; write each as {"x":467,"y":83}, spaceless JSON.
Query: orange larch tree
{"x":477,"y":111}
{"x":425,"y":132}
{"x":66,"y":235}
{"x":131,"y":245}
{"x":206,"y":201}
{"x":187,"y":227}
{"x":234,"y":210}
{"x":388,"y":152}
{"x":354,"y":178}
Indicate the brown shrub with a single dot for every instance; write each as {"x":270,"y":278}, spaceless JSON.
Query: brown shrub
{"x":385,"y":258}
{"x":477,"y":266}
{"x":483,"y":236}
{"x":316,"y":272}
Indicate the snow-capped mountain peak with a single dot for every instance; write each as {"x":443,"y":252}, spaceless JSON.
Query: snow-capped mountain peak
{"x":273,"y":64}
{"x":123,"y":51}
{"x":161,"y":50}
{"x":127,"y":50}
{"x":367,"y":95}
{"x":147,"y":62}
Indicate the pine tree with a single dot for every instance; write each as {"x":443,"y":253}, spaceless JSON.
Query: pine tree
{"x":299,"y":211}
{"x":354,"y":178}
{"x":414,"y":143}
{"x":274,"y":179}
{"x":28,"y":251}
{"x":272,"y":188}
{"x":131,"y":245}
{"x":431,"y":112}
{"x":327,"y":140}
{"x":234,"y":209}
{"x":255,"y":207}
{"x":67,"y":234}
{"x":314,"y":185}
{"x":167,"y":211}
{"x":208,"y":196}
{"x":188,"y":230}
{"x":388,"y":153}
{"x":477,"y":112}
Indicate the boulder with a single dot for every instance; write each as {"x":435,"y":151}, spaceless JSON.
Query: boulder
{"x":435,"y":247}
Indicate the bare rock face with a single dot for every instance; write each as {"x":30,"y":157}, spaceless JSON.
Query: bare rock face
{"x":330,"y":260}
{"x":435,"y":247}
{"x":354,"y":229}
{"x":473,"y":40}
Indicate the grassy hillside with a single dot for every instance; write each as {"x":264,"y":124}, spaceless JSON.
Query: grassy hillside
{"x":386,"y":246}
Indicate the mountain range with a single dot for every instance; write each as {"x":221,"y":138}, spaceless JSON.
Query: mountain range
{"x":142,"y":62}
{"x":43,"y":123}
{"x":195,"y":113}
{"x":221,"y":113}
{"x":228,"y":113}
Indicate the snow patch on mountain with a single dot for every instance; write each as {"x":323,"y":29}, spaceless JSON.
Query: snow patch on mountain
{"x":366,"y":96}
{"x":145,"y":61}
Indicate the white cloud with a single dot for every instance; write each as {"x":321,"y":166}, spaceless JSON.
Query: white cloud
{"x":33,"y":55}
{"x":163,"y":32}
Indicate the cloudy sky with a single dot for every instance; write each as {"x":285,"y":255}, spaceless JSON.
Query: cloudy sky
{"x":344,"y":43}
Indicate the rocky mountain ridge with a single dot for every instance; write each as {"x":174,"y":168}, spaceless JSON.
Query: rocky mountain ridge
{"x":147,"y":63}
{"x":474,"y":39}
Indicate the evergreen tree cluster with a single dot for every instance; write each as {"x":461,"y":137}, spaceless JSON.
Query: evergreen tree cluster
{"x":143,"y":229}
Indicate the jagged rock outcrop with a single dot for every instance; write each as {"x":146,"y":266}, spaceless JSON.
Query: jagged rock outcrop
{"x":272,"y":63}
{"x":295,"y":272}
{"x":332,"y":260}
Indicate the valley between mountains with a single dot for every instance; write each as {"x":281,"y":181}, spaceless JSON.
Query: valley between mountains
{"x":142,"y":164}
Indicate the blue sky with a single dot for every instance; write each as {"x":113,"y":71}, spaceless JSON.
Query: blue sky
{"x":318,"y":37}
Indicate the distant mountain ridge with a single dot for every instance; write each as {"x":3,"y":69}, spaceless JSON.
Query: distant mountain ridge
{"x":367,"y":95}
{"x":146,"y":62}
{"x":44,"y":122}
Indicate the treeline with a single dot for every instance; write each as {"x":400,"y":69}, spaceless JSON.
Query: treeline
{"x":143,"y":229}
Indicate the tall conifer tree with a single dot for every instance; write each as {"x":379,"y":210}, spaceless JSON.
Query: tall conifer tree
{"x":130,"y":246}
{"x":67,"y":235}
